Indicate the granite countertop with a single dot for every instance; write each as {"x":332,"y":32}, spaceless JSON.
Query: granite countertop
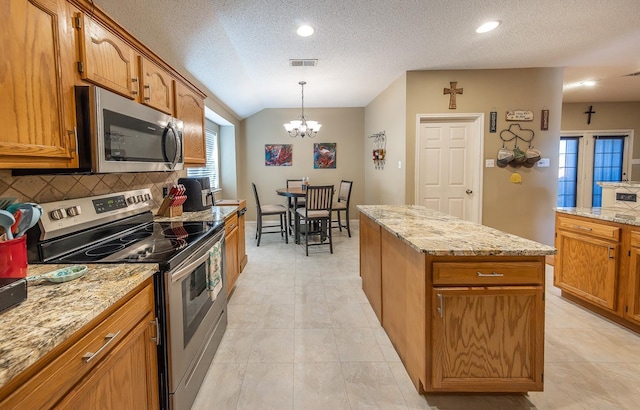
{"x":54,"y":311}
{"x":623,"y":216}
{"x":439,"y":234}
{"x":216,"y":213}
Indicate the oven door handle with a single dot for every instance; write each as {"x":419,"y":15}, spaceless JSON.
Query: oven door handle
{"x":187,"y":269}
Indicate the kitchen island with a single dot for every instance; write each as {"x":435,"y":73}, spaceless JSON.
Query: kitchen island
{"x":43,"y":339}
{"x":462,"y":303}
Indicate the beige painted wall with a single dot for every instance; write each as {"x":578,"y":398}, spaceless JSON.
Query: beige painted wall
{"x":524,"y":209}
{"x":386,"y":113}
{"x":608,"y":116}
{"x":344,"y":126}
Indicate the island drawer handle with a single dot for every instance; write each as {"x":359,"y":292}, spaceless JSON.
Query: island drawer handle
{"x":440,"y":309}
{"x":109,"y":338}
{"x":584,"y":228}
{"x":492,"y":274}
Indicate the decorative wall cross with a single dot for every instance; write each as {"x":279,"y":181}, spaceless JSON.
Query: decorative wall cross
{"x":589,"y":114}
{"x":452,"y":92}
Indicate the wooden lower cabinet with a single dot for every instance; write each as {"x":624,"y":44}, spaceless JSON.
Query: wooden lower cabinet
{"x":587,"y":267}
{"x":120,"y":372}
{"x":487,"y":338}
{"x":632,"y":310}
{"x":232,"y":269}
{"x":242,"y":247}
{"x":459,"y":323}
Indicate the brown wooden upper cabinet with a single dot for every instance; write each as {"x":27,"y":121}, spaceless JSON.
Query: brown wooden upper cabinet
{"x":189,"y":107}
{"x":105,"y":59}
{"x":36,"y":108}
{"x":156,"y":86}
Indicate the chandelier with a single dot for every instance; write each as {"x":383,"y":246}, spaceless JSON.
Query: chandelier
{"x":302,"y":127}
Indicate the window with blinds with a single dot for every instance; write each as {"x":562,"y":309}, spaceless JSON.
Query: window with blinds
{"x":211,"y":170}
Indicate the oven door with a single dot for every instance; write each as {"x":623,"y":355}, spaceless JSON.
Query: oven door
{"x":196,"y":304}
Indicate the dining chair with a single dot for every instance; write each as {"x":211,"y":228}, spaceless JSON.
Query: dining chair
{"x":316,"y":215}
{"x":269,"y":210}
{"x":342,"y":205}
{"x":294,"y":183}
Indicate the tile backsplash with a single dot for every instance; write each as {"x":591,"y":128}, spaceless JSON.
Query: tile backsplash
{"x":49,"y":188}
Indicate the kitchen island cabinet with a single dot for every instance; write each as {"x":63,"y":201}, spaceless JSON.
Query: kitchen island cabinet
{"x":73,"y":344}
{"x":463,"y":304}
{"x":598,"y":261}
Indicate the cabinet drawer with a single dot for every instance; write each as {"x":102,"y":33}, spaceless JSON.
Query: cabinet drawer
{"x":230,"y":223}
{"x":59,"y":376}
{"x":590,"y":228}
{"x":487,"y":273}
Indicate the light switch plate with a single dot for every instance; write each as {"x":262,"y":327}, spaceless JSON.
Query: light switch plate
{"x":543,"y":163}
{"x":490,"y":163}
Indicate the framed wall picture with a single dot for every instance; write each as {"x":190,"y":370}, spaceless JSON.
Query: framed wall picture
{"x":324,"y":155}
{"x":278,"y":155}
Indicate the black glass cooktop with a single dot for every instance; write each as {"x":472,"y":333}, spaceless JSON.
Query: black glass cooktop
{"x":134,"y":240}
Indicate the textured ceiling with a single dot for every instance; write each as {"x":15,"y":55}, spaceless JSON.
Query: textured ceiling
{"x":240,"y":49}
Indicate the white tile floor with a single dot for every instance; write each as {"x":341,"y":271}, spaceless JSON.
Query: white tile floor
{"x":302,"y":335}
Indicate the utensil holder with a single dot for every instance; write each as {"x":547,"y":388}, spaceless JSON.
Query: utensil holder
{"x":13,"y":258}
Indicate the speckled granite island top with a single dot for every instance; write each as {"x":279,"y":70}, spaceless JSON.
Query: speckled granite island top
{"x":623,"y":216}
{"x":54,"y":311}
{"x":439,"y":234}
{"x":216,"y":213}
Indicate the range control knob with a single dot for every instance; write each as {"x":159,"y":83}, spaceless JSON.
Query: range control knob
{"x":147,"y":197}
{"x":74,"y":210}
{"x":140,"y":198}
{"x":57,"y":214}
{"x":131,"y":200}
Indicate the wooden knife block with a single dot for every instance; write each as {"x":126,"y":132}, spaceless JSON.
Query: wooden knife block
{"x":167,"y":210}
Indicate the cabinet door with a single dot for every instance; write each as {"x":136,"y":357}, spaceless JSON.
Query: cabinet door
{"x":107,"y":60}
{"x":231,"y":259}
{"x":36,"y":106}
{"x":157,"y":86}
{"x":242,"y":251}
{"x":190,"y":109}
{"x":128,"y":378}
{"x":487,"y":339}
{"x":633,"y":312}
{"x":587,"y":267}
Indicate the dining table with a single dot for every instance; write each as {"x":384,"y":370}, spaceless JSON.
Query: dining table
{"x":294,"y":193}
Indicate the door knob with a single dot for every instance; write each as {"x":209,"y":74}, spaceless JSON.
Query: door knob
{"x":468,"y":191}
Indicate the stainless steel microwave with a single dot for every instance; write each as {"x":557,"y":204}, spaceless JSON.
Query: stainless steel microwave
{"x":116,"y":134}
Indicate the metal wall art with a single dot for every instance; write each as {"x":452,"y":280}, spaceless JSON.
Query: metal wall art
{"x":379,"y":149}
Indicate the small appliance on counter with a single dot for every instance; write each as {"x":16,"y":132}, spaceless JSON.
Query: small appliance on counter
{"x":12,"y":292}
{"x":198,"y":192}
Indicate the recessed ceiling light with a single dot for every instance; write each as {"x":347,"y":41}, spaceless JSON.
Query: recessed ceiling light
{"x":588,"y":83}
{"x":305,"y":30}
{"x":488,"y":26}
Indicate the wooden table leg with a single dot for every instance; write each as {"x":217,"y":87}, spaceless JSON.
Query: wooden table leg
{"x":296,"y":225}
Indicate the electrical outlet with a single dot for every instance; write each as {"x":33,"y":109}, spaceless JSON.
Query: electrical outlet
{"x":543,"y":163}
{"x":489,"y":163}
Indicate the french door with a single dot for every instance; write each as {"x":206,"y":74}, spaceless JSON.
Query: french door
{"x":587,"y":158}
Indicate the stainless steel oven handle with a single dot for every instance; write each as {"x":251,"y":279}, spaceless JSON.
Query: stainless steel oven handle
{"x":187,"y":269}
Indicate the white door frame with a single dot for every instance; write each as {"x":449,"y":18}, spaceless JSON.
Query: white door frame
{"x":477,"y":150}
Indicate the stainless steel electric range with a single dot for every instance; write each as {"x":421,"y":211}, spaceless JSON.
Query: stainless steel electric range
{"x":191,"y":304}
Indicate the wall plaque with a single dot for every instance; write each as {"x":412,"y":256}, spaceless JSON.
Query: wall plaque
{"x":519,"y":115}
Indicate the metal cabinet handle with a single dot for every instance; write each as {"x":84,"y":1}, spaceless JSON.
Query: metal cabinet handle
{"x":157,"y":326}
{"x":492,"y":274}
{"x":584,"y":228}
{"x":440,"y":309}
{"x":109,"y":338}
{"x":134,"y":80}
{"x":609,"y":249}
{"x":147,"y":95}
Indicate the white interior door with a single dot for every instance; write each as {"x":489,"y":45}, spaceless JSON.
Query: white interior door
{"x":449,"y":168}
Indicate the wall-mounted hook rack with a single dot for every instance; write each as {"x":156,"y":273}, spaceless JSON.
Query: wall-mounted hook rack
{"x":379,"y":149}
